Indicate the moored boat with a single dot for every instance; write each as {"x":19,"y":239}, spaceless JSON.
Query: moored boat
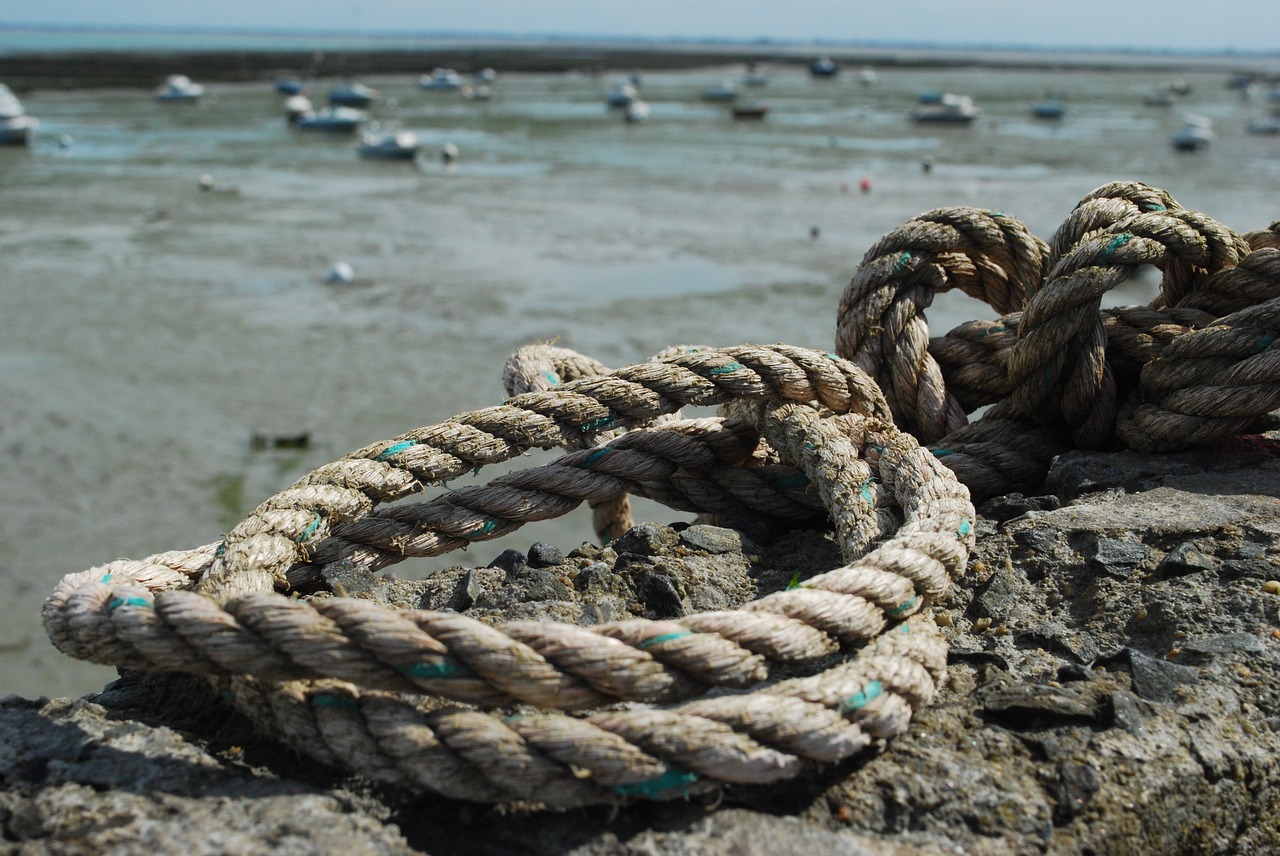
{"x":824,"y":66}
{"x":441,"y":80}
{"x":750,"y":110}
{"x":333,"y":120}
{"x":1195,"y":134}
{"x":389,"y":145}
{"x":353,"y":94}
{"x":16,"y":126}
{"x":178,"y":89}
{"x":951,"y":109}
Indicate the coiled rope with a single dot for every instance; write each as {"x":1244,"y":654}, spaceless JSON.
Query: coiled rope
{"x":559,"y":715}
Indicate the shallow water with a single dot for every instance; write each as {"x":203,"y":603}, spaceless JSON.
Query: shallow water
{"x":148,"y":329}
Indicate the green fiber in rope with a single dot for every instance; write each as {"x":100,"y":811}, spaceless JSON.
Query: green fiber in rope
{"x":797,"y":480}
{"x":865,"y":696}
{"x":329,"y":700}
{"x":551,"y":378}
{"x":902,"y":607}
{"x":665,"y":637}
{"x":310,"y":530}
{"x":603,"y":423}
{"x":1154,"y":206}
{"x":489,"y":525}
{"x":440,"y":667}
{"x":990,"y":330}
{"x":965,"y":528}
{"x":117,"y":602}
{"x":868,"y":495}
{"x":940,"y":453}
{"x":591,"y":459}
{"x":726,"y":368}
{"x":670,"y":780}
{"x":902,"y":261}
{"x":794,"y":583}
{"x":1116,"y":243}
{"x":106,"y":578}
{"x":1264,"y":343}
{"x":394,"y":449}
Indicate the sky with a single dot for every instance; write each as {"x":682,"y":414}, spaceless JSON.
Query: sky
{"x":1239,"y":25}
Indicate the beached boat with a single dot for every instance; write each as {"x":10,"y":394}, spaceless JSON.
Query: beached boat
{"x":1267,"y":125}
{"x":824,"y":66}
{"x":15,"y":125}
{"x":722,"y":92}
{"x":1052,"y":109}
{"x":621,"y":95}
{"x":750,"y":110}
{"x":352,"y":94}
{"x":867,"y":75}
{"x":297,"y":106}
{"x":389,"y":145}
{"x":754,"y":77}
{"x":485,"y":75}
{"x":951,"y":109}
{"x":178,"y":89}
{"x":289,"y":86}
{"x":637,"y":112}
{"x":332,"y":120}
{"x":1195,"y":134}
{"x":440,"y":80}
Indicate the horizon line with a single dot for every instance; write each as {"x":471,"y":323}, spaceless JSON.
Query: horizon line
{"x":758,"y":41}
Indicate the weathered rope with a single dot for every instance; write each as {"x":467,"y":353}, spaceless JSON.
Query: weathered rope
{"x":562,"y":715}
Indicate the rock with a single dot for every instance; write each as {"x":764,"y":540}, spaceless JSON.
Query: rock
{"x":1113,"y":686}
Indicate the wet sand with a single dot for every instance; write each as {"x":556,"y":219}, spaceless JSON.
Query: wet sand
{"x":149,"y":330}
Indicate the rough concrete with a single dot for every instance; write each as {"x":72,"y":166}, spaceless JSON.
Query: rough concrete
{"x":1114,"y":687}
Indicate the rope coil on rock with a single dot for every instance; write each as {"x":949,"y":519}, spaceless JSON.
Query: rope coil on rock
{"x":561,"y":715}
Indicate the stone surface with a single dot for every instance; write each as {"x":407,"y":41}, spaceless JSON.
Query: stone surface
{"x":1114,"y":687}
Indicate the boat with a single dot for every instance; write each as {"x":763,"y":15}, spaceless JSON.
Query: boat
{"x":440,"y":80}
{"x":15,"y":125}
{"x":485,"y":75}
{"x":621,"y":95}
{"x":824,"y":66}
{"x":289,"y":86}
{"x":296,"y":106}
{"x":352,"y":95}
{"x":1052,"y":109}
{"x":867,"y":75}
{"x":389,"y":145}
{"x":1195,"y":134}
{"x":951,"y":109}
{"x":724,"y":92}
{"x":751,"y":110}
{"x":333,"y":120}
{"x":637,"y":112}
{"x":754,"y":77}
{"x":1267,"y":125}
{"x":178,"y":89}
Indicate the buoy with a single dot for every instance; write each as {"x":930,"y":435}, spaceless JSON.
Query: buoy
{"x":927,"y":164}
{"x":64,"y":142}
{"x":814,"y":232}
{"x":448,"y":153}
{"x":865,"y":185}
{"x":340,"y":272}
{"x":206,"y":181}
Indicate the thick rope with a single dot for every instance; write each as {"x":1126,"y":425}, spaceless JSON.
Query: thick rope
{"x":811,"y":674}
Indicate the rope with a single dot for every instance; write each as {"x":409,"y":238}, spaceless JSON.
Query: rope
{"x":553,"y":714}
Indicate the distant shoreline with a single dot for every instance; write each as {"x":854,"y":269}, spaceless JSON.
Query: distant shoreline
{"x":131,"y":66}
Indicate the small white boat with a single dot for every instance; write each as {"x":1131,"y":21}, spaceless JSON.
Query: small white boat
{"x":15,"y":125}
{"x":485,"y":75}
{"x":441,"y":80}
{"x":637,"y":112}
{"x":754,"y":77}
{"x":389,"y":145}
{"x":867,"y":75}
{"x":951,"y":109}
{"x":297,"y":106}
{"x":178,"y":89}
{"x":333,"y":120}
{"x":621,"y":95}
{"x":1195,"y":134}
{"x":353,"y":95}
